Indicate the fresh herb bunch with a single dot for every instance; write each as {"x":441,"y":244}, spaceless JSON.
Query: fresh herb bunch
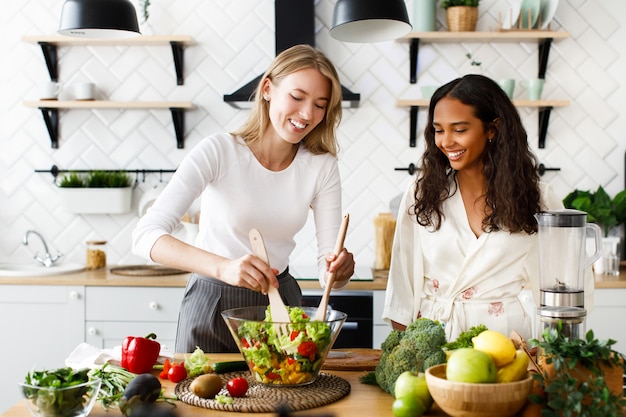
{"x":73,"y":180}
{"x":565,"y":394}
{"x":56,"y":400}
{"x":107,"y":179}
{"x":97,"y":179}
{"x":114,"y":380}
{"x":465,"y":338}
{"x":450,"y":3}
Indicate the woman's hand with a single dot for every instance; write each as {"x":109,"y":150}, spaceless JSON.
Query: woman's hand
{"x":249,"y":272}
{"x":342,"y":266}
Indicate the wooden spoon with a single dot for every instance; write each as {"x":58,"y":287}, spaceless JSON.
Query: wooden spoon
{"x":279,"y":311}
{"x":320,"y":314}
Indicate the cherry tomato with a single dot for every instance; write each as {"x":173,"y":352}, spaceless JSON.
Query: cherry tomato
{"x":166,"y":368}
{"x":177,"y":372}
{"x":237,"y":387}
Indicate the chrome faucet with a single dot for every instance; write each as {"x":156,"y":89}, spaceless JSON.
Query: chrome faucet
{"x":48,"y":260}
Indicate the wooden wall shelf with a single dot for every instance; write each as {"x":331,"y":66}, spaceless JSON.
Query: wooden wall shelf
{"x":50,"y":112}
{"x":544,"y":106}
{"x":49,"y":45}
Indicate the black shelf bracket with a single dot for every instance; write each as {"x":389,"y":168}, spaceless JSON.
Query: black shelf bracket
{"x":49,"y":51}
{"x":544,"y":53}
{"x":178,"y":118}
{"x":544,"y":120}
{"x":51,"y":118}
{"x":414,"y":49}
{"x":178,"y":54}
{"x":413,"y":126}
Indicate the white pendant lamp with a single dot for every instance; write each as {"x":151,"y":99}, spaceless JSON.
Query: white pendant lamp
{"x":101,"y":19}
{"x":366,"y":21}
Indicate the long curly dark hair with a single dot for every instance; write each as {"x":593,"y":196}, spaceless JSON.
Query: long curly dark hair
{"x":510,"y":167}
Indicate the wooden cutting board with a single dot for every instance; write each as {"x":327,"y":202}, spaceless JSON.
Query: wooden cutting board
{"x":355,"y":359}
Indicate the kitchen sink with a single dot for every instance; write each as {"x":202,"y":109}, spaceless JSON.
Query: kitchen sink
{"x":31,"y":270}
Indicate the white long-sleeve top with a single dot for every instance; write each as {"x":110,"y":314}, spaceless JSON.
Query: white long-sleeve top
{"x":239,"y":194}
{"x":462,"y":280}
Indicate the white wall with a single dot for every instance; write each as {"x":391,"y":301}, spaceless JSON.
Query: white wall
{"x":586,"y":140}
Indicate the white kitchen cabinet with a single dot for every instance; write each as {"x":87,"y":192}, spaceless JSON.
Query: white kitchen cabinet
{"x":607,"y":317}
{"x":40,"y":326}
{"x":112,"y":313}
{"x":381,"y":328}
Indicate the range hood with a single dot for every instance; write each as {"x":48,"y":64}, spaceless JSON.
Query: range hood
{"x":294,"y":25}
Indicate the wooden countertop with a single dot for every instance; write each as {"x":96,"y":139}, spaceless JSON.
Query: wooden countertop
{"x":363,"y":400}
{"x":104,"y":277}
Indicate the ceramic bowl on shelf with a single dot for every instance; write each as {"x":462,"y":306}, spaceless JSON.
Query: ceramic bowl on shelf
{"x":74,"y":401}
{"x":293,"y":359}
{"x":463,"y":399}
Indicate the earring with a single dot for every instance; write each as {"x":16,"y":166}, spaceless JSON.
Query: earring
{"x":266,"y":98}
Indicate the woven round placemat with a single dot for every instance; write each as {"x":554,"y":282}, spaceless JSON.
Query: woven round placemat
{"x":324,"y":390}
{"x":146,"y":271}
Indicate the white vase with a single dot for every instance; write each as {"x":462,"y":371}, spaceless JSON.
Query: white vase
{"x":424,"y":16}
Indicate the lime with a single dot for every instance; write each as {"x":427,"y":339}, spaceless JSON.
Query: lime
{"x":407,"y":407}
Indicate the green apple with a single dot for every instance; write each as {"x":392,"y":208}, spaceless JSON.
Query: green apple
{"x":413,"y":384}
{"x":407,"y":407}
{"x":471,"y":365}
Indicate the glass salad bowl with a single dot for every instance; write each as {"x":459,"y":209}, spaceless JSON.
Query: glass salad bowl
{"x":283,"y":354}
{"x":73,"y":401}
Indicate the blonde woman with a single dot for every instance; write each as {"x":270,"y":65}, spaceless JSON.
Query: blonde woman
{"x":267,"y":175}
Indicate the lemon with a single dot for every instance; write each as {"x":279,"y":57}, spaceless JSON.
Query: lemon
{"x":497,"y":345}
{"x":516,"y":370}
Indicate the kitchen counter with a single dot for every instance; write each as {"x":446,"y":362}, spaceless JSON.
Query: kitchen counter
{"x":363,"y":400}
{"x":104,"y":277}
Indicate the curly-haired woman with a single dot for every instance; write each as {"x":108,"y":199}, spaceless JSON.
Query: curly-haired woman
{"x":466,"y":237}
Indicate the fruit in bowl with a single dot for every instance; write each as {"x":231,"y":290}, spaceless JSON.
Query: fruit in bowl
{"x":468,"y":399}
{"x":60,"y":393}
{"x":283,"y":354}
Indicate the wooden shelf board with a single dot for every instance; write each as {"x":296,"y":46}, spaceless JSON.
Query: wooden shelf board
{"x":517,"y":103}
{"x":104,"y":104}
{"x":139,"y":40}
{"x":503,"y":36}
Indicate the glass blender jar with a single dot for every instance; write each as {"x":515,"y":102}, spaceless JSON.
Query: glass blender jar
{"x":562,"y":236}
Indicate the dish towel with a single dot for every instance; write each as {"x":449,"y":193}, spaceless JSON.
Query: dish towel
{"x":89,"y":356}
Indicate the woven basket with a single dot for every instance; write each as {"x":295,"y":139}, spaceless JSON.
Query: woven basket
{"x":462,"y":18}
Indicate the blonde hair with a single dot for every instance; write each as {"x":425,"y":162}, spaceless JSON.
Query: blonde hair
{"x":322,"y":138}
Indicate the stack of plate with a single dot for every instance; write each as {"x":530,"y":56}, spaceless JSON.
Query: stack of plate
{"x":526,"y":14}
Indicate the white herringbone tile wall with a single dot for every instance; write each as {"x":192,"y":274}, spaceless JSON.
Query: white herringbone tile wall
{"x":234,"y":43}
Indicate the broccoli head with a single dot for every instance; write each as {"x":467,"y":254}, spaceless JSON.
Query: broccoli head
{"x":415,"y":349}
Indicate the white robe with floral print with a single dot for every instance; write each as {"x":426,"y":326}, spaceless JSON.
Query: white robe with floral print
{"x":459,"y":279}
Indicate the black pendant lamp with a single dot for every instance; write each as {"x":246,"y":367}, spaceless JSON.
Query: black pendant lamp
{"x":103,"y":19}
{"x":367,"y":21}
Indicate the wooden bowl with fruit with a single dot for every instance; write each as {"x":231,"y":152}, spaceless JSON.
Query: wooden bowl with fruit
{"x":473,"y":399}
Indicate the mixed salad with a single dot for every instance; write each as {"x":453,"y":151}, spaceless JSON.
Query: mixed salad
{"x":291,"y":359}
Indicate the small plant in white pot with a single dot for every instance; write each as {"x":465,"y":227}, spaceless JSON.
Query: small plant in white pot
{"x":98,"y":192}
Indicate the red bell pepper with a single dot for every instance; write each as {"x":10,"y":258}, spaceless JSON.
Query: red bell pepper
{"x":139,"y":354}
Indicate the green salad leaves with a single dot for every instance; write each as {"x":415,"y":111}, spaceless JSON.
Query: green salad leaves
{"x":56,"y":400}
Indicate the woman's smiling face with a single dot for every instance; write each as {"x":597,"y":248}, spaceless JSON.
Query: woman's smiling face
{"x":298,"y":103}
{"x":459,"y":134}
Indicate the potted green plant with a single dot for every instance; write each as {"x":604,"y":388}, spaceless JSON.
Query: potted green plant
{"x":600,"y":208}
{"x":462,"y":15}
{"x":97,"y":192}
{"x":578,"y":377}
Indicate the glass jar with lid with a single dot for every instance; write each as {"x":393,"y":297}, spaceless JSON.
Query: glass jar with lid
{"x":96,"y":254}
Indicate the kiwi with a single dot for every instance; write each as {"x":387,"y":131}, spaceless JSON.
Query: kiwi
{"x":206,"y":385}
